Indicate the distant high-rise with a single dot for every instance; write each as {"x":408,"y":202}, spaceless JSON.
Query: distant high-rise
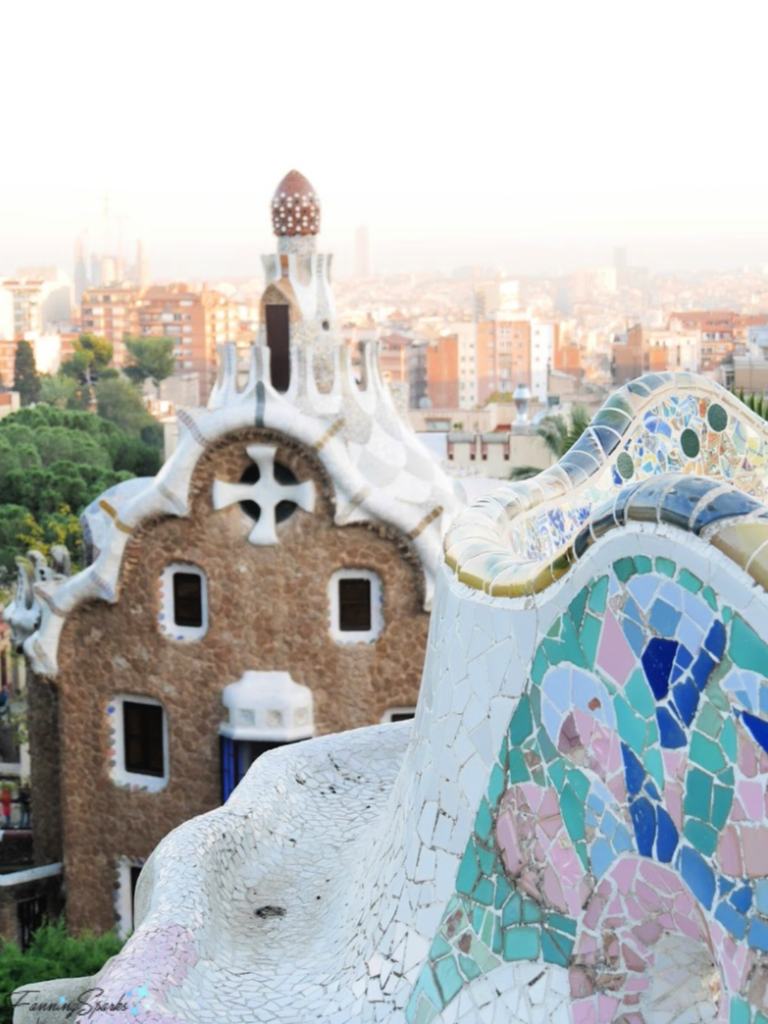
{"x":81,"y":271}
{"x":362,"y":253}
{"x":142,"y":265}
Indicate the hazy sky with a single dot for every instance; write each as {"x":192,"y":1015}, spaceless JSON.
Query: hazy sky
{"x":524,"y":132}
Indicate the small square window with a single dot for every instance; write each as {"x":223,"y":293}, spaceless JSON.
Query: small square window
{"x":354,"y":605}
{"x":139,"y":728}
{"x":187,"y":599}
{"x":143,"y":738}
{"x":183,"y":611}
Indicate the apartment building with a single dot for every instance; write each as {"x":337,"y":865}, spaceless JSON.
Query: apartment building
{"x":49,"y":350}
{"x":111,"y":313}
{"x":27,"y":304}
{"x":32,"y":302}
{"x":443,"y":372}
{"x":198,"y":321}
{"x":653,"y":350}
{"x":512,"y":349}
{"x":722,"y":333}
{"x":637,"y":352}
{"x":567,"y":356}
{"x":394,"y":351}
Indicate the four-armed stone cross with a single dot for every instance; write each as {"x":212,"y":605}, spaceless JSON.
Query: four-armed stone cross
{"x":267,"y":493}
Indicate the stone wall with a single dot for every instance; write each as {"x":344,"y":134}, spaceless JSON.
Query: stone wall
{"x":45,"y":768}
{"x":268,"y":610}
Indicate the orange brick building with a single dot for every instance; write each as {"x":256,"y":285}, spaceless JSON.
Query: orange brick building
{"x":641,"y":353}
{"x":197,"y":321}
{"x":503,"y":356}
{"x":443,"y":372}
{"x":8,"y":354}
{"x":111,"y":313}
{"x":566,"y":355}
{"x":393,"y":358}
{"x":722,"y":332}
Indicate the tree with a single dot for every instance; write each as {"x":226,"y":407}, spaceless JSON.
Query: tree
{"x":13,"y":524}
{"x":138,"y":458}
{"x":120,"y":403}
{"x":57,"y":444}
{"x":59,"y":528}
{"x":25,"y":379}
{"x":559,"y":435}
{"x":758,"y":404}
{"x":52,"y":954}
{"x":151,"y":359}
{"x":59,"y":391}
{"x":53,"y":461}
{"x":91,"y":356}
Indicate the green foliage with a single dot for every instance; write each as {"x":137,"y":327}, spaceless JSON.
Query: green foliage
{"x":757,"y":403}
{"x":59,"y":391}
{"x":25,"y":379}
{"x":559,"y":435}
{"x":90,"y":358}
{"x":151,"y":359}
{"x":52,"y":954}
{"x":53,"y":463}
{"x":498,"y":397}
{"x":120,"y":403}
{"x":523,"y":472}
{"x":57,"y":528}
{"x":13,"y":523}
{"x":137,"y":458}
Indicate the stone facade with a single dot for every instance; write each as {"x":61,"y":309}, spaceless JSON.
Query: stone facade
{"x":268,"y":610}
{"x":43,"y":718}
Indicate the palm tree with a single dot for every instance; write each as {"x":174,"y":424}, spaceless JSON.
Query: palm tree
{"x":757,"y":403}
{"x":553,"y":430}
{"x":558,"y":435}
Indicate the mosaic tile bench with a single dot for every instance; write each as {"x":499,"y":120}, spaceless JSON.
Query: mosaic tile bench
{"x":573,"y":829}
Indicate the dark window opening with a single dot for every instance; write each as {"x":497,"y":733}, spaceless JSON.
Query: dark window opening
{"x":355,"y":605}
{"x":326,"y":325}
{"x":143,"y":738}
{"x":187,"y":599}
{"x":401,"y":716}
{"x":283,"y":509}
{"x":278,"y":342}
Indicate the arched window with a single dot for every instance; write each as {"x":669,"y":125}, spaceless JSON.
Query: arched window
{"x":139,"y":738}
{"x":355,"y":600}
{"x":183,"y":602}
{"x":279,"y":344}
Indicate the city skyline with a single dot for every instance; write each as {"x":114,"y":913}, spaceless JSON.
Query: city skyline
{"x":539,"y":157}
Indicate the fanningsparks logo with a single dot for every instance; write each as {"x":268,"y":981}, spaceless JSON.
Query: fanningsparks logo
{"x":85,"y":1005}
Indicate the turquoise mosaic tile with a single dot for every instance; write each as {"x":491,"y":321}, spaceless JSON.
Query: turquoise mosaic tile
{"x":650,"y":671}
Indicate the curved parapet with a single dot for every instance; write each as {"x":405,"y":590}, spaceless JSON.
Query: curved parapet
{"x":574,"y":827}
{"x":518,"y":539}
